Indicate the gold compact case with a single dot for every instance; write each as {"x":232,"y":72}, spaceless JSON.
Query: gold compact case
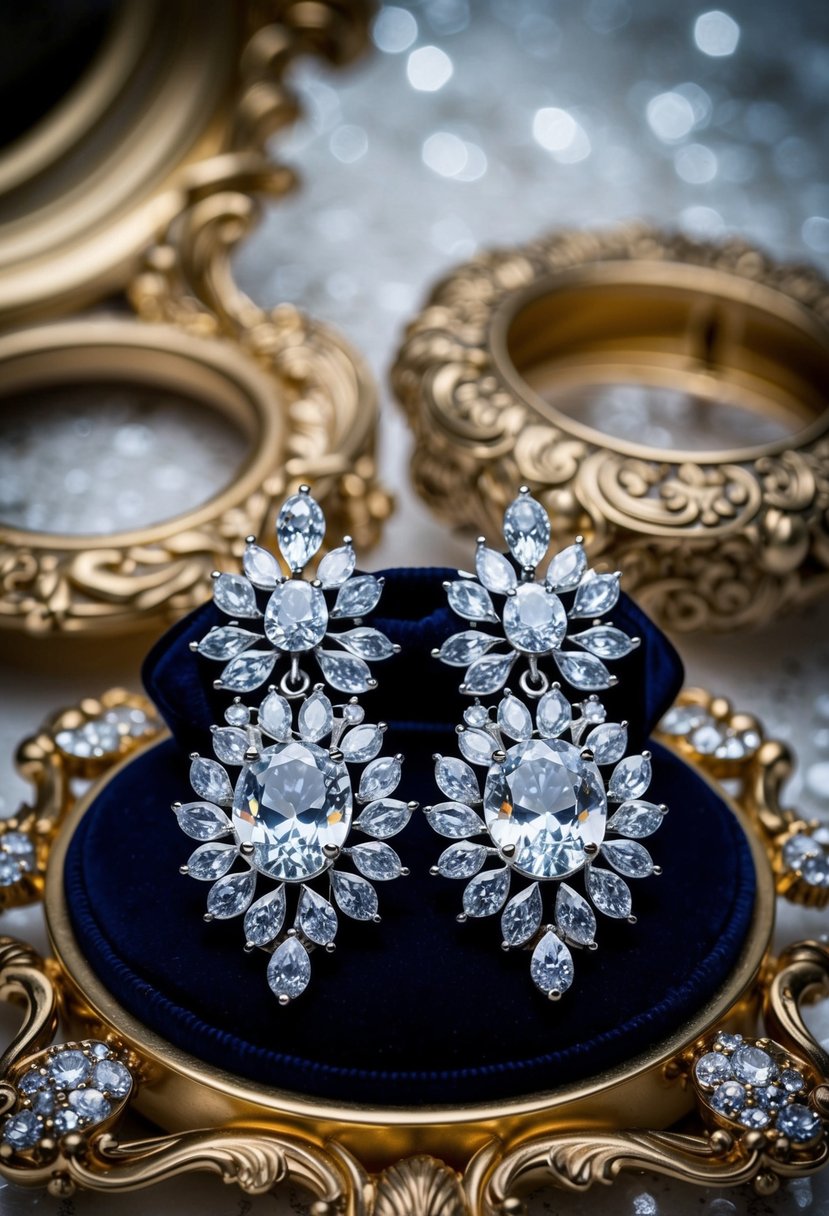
{"x":135,"y":187}
{"x":668,"y":399}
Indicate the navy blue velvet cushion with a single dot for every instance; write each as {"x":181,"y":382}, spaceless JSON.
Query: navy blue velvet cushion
{"x":418,"y":1009}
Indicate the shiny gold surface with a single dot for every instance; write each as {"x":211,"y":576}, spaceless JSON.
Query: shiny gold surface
{"x":707,"y":539}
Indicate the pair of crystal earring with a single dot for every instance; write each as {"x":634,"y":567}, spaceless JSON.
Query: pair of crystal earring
{"x":297,"y":777}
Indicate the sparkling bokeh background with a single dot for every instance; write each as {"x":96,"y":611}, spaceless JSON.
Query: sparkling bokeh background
{"x":474,"y":124}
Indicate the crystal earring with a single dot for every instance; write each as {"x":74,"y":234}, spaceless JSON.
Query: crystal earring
{"x":289,"y":807}
{"x":545,"y":800}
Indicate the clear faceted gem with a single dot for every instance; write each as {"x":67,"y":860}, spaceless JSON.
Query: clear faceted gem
{"x":296,"y":617}
{"x":488,"y":674}
{"x":43,"y":1102}
{"x":682,"y":719}
{"x":230,"y":896}
{"x":247,"y":671}
{"x":211,"y":861}
{"x":630,"y":778}
{"x":69,"y":1068}
{"x":592,"y":710}
{"x":494,"y":571}
{"x":566,"y":569}
{"x":534,"y":619}
{"x":476,"y":715}
{"x":210,"y":781}
{"x":728,"y":1042}
{"x":521,"y":918}
{"x":354,"y":895}
{"x":575,"y":918}
{"x":316,"y":717}
{"x":112,"y":1077}
{"x":605,"y":641}
{"x":515,"y":719}
{"x":637,"y":819}
{"x":546,"y":802}
{"x":551,"y":966}
{"x":316,"y":917}
{"x":753,"y":1066}
{"x":454,"y":820}
{"x":471,"y":601}
{"x":754,"y":1117}
{"x":609,"y":893}
{"x":230,"y":744}
{"x":769,"y":1096}
{"x":628,"y":857}
{"x":384,"y":817}
{"x":361,"y":744}
{"x":607,"y":742}
{"x":464,"y":648}
{"x":712,"y":1069}
{"x":237,"y":714}
{"x":226,"y":641}
{"x":366,"y":643}
{"x":476,"y":745}
{"x":728,"y":1099}
{"x":596,"y":595}
{"x":235,"y":596}
{"x":65,"y":1121}
{"x":202,"y":820}
{"x":798,"y":1123}
{"x":289,"y":969}
{"x":290,"y":804}
{"x":275,"y":717}
{"x":486,"y":893}
{"x":345,"y":672}
{"x":583,"y":671}
{"x":456,"y":779}
{"x":377,"y":861}
{"x":300,"y":528}
{"x":265,"y":917}
{"x":96,"y":738}
{"x":261,"y":567}
{"x":99,"y":1050}
{"x":461,"y":860}
{"x":792,"y":1080}
{"x":23,"y":1130}
{"x":337,"y":566}
{"x":380,"y":778}
{"x":32,"y":1081}
{"x":526,"y":530}
{"x":358,"y":596}
{"x":554,"y":714}
{"x":90,"y":1105}
{"x":707,"y":739}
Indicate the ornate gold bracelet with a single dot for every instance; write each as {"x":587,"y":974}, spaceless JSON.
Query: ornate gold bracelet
{"x":707,"y":540}
{"x":479,"y":1159}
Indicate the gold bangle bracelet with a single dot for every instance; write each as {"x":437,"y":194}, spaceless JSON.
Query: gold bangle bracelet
{"x":707,"y":539}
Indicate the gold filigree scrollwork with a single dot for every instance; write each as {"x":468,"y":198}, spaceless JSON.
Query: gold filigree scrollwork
{"x":716,"y":542}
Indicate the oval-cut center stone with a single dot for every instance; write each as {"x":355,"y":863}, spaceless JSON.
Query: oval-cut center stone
{"x":289,"y":804}
{"x":534,"y":619}
{"x":546,"y":803}
{"x":296,"y":617}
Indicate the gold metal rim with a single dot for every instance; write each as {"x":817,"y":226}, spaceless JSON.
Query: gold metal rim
{"x":183,"y":1083}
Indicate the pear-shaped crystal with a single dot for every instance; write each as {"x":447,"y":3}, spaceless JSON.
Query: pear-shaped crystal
{"x":534,"y":619}
{"x":316,"y":717}
{"x":261,"y":567}
{"x":275,"y":717}
{"x":630,"y":778}
{"x":345,"y":672}
{"x":470,"y":600}
{"x":607,"y":742}
{"x":224,"y":642}
{"x":454,"y":820}
{"x":247,"y":671}
{"x":637,"y":819}
{"x":355,"y":897}
{"x":265,"y":917}
{"x":605,"y":641}
{"x":456,"y":779}
{"x":296,"y":617}
{"x":461,"y":860}
{"x":231,"y":895}
{"x":289,"y":969}
{"x":628,"y":857}
{"x":358,"y":596}
{"x":300,"y":528}
{"x":384,"y":817}
{"x":494,"y":570}
{"x":554,"y":714}
{"x":235,"y":596}
{"x":565,"y":571}
{"x":596,"y":595}
{"x":476,"y":745}
{"x":514,"y":719}
{"x":377,"y":860}
{"x":202,"y":820}
{"x":575,"y":919}
{"x":211,"y":861}
{"x":526,"y":530}
{"x":486,"y":893}
{"x":463,"y":648}
{"x":609,"y":893}
{"x":230,"y":744}
{"x":583,"y":671}
{"x":337,"y":566}
{"x":361,"y":744}
{"x":488,"y":674}
{"x":379,"y":779}
{"x":210,"y":781}
{"x":551,"y":966}
{"x":366,"y":643}
{"x":521,"y":918}
{"x":316,"y":917}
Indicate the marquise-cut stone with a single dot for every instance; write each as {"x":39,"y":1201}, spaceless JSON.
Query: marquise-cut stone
{"x":380,"y":778}
{"x":275,"y":716}
{"x":230,"y":744}
{"x":261,"y":567}
{"x":300,"y":528}
{"x":384,"y":817}
{"x":551,"y":966}
{"x":231,"y":895}
{"x":296,"y":617}
{"x":488,"y":674}
{"x":377,"y":861}
{"x":358,"y":596}
{"x":247,"y":671}
{"x":354,"y":895}
{"x":527,"y":530}
{"x":565,"y":571}
{"x":345,"y":672}
{"x":605,"y":641}
{"x":515,"y":719}
{"x":630,"y":778}
{"x":461,"y":860}
{"x":609,"y":893}
{"x":464,"y":648}
{"x":637,"y":819}
{"x":486,"y":893}
{"x":366,"y":643}
{"x":607,"y":742}
{"x":476,"y":745}
{"x":547,"y":803}
{"x":583,"y":671}
{"x":554,"y":714}
{"x":596,"y":595}
{"x":471,"y":601}
{"x":265,"y":917}
{"x":629,"y":857}
{"x":290,"y":804}
{"x":534,"y":619}
{"x":202,"y":820}
{"x":521,"y":918}
{"x":456,"y":779}
{"x":454,"y":820}
{"x":211,"y":861}
{"x":235,"y":596}
{"x":361,"y":744}
{"x":337,"y":566}
{"x":210,"y":781}
{"x":316,"y":717}
{"x":575,"y":918}
{"x":226,"y":641}
{"x":494,"y":570}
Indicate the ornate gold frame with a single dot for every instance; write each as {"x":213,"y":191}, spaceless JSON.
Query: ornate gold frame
{"x":707,"y":540}
{"x":475,"y":1160}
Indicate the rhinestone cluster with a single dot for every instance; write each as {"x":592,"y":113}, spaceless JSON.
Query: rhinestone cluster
{"x":17,"y":857}
{"x":74,"y":1088}
{"x":754,"y":1085}
{"x":806,"y":855}
{"x":103,"y":734}
{"x":707,"y":735}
